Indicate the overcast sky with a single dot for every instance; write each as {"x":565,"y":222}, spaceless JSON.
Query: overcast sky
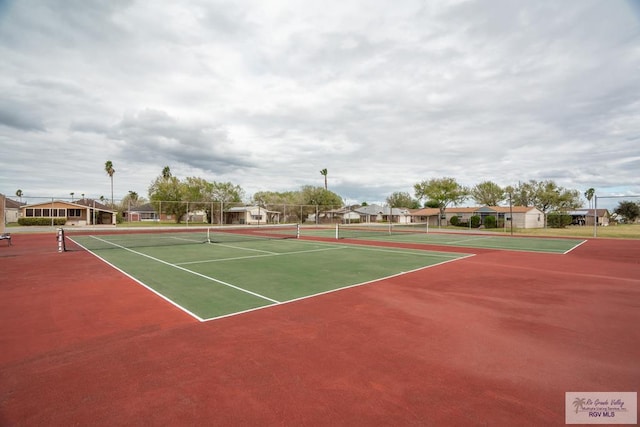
{"x":265,"y":94}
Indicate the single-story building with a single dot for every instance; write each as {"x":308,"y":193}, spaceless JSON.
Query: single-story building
{"x":377,"y":213}
{"x":523,"y":216}
{"x":80,"y":212}
{"x":586,"y":216}
{"x":251,"y":215}
{"x":144,"y":212}
{"x":11,"y":210}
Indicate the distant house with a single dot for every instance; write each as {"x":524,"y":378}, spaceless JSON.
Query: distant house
{"x":377,"y":213}
{"x":523,"y":216}
{"x":144,"y":212}
{"x":80,"y":212}
{"x":251,"y":215}
{"x":587,"y":216}
{"x":344,"y":214}
{"x":12,"y":210}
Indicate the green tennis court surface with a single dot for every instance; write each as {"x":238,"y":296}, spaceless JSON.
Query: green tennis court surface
{"x":419,"y":234}
{"x":212,"y":280}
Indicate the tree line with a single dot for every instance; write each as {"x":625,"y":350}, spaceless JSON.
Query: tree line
{"x":169,"y":193}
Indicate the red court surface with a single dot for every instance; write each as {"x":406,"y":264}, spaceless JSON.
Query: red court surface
{"x":495,"y":339}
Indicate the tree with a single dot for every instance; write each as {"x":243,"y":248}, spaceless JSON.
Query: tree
{"x":589,"y":195}
{"x":166,"y":172}
{"x":72,"y":193}
{"x":108,"y":167}
{"x":206,"y":195}
{"x":488,"y":193}
{"x":441,"y":191}
{"x":547,"y":196}
{"x":324,"y":172}
{"x":19,"y":194}
{"x":320,"y":197}
{"x":628,"y":210}
{"x":167,"y":194}
{"x":132,"y":200}
{"x":402,"y":200}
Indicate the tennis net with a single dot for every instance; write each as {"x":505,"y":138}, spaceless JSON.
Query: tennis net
{"x":172,"y":237}
{"x":354,"y":231}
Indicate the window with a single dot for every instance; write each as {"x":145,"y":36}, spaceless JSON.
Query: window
{"x":45,"y":212}
{"x":37,"y":212}
{"x":73,"y":213}
{"x":29,"y":212}
{"x":62,"y":212}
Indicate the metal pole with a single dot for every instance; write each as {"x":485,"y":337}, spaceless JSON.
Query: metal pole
{"x":595,"y":216}
{"x":511,"y":213}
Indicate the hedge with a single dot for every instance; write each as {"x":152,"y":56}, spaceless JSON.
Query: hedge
{"x":41,"y":221}
{"x":556,"y":220}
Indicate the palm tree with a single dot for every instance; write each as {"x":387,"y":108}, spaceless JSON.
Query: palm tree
{"x":72,"y":193}
{"x":323,"y":172}
{"x":166,"y":172}
{"x":589,"y":195}
{"x":19,"y":194}
{"x":108,"y":167}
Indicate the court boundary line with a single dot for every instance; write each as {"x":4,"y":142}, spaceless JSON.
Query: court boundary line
{"x":455,"y":244}
{"x":265,"y":255}
{"x":195,"y":273}
{"x":452,"y":257}
{"x":576,"y":246}
{"x":139,"y":282}
{"x":355,"y":285}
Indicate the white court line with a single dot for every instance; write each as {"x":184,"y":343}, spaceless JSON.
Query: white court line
{"x":274,"y":302}
{"x":340,"y":289}
{"x":471,"y":239}
{"x":269,"y":254}
{"x":245,"y":249}
{"x":170,"y":301}
{"x":195,"y":273}
{"x":579,"y":244}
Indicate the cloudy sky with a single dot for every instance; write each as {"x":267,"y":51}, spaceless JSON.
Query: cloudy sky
{"x":266,"y":93}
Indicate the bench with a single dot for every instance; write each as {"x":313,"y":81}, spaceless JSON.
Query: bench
{"x":7,"y":237}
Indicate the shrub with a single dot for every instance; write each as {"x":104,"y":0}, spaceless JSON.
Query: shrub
{"x":454,"y":220}
{"x":41,"y":221}
{"x":558,"y":220}
{"x":490,"y":222}
{"x":475,"y":221}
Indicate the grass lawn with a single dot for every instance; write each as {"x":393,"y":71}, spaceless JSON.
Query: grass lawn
{"x":623,"y":231}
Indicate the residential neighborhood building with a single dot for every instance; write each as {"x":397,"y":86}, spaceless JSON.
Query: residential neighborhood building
{"x":251,"y":215}
{"x":11,"y":210}
{"x":80,"y":212}
{"x":377,"y":213}
{"x":589,"y":216}
{"x":523,"y":216}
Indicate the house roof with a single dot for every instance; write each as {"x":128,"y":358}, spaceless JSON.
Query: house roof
{"x":599,"y":212}
{"x":426,"y":212}
{"x":86,"y":203}
{"x":147,"y":207}
{"x":12,"y":204}
{"x":93,"y":203}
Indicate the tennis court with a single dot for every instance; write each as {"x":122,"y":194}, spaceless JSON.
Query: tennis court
{"x":421,"y":234}
{"x":213,"y":275}
{"x":492,"y":339}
